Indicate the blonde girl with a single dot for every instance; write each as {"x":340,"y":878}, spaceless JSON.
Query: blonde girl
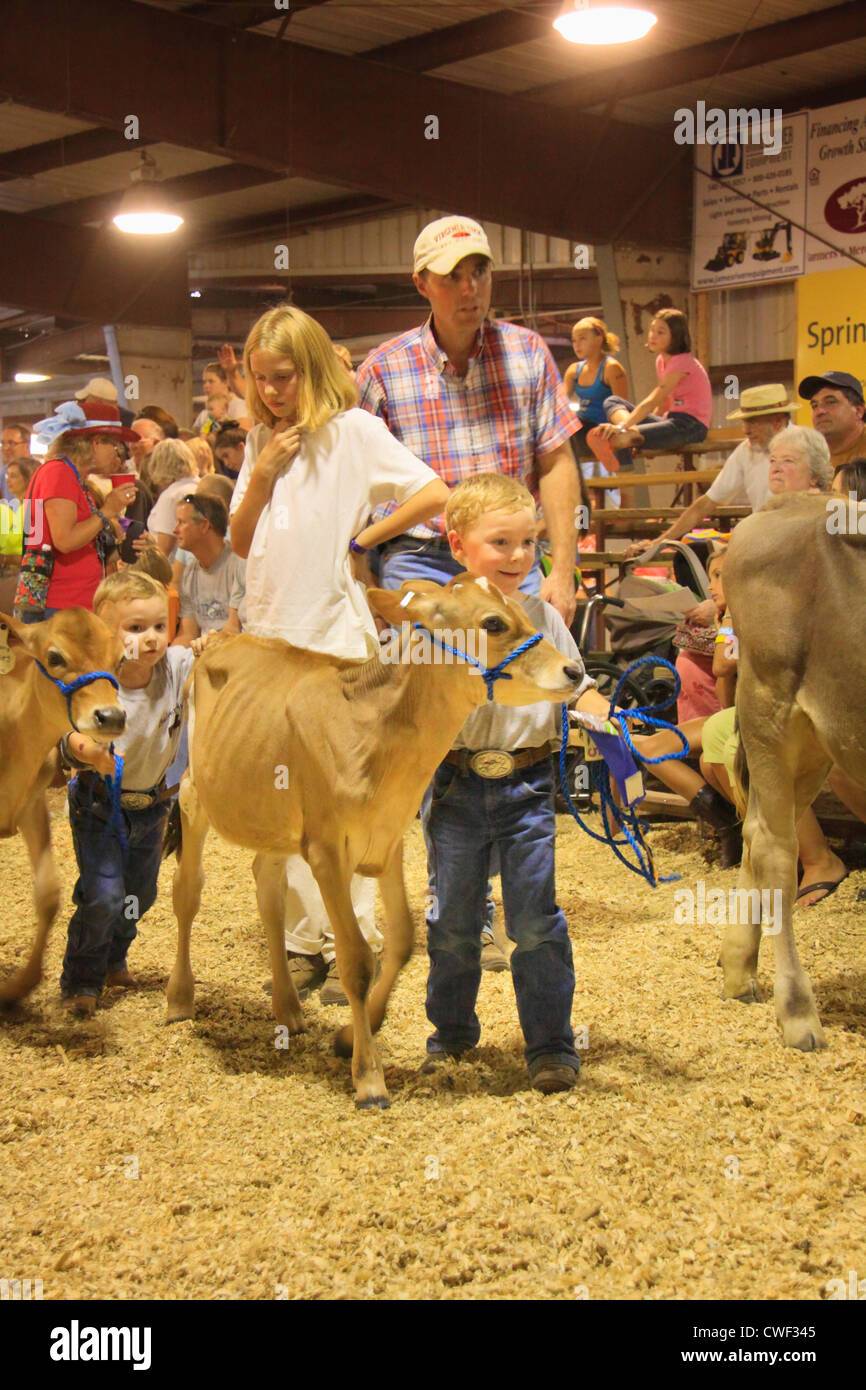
{"x":315,"y":466}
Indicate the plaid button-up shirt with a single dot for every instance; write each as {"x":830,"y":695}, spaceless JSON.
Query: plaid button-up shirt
{"x":508,"y":409}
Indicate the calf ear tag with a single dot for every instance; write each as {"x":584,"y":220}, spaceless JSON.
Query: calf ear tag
{"x":7,"y":658}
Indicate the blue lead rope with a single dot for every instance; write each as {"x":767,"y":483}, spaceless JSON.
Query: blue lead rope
{"x":632,"y":826}
{"x":115,"y":820}
{"x":68,"y":688}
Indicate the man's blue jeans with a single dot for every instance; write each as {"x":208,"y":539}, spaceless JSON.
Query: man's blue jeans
{"x":115,"y":887}
{"x":467,"y":817}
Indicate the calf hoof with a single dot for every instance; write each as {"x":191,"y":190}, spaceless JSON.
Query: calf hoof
{"x":805,"y":1036}
{"x":18,"y":986}
{"x":179,"y":1015}
{"x":344,"y":1042}
{"x":744,"y":993}
{"x":373,"y":1103}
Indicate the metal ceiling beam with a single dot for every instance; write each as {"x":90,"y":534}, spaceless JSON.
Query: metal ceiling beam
{"x":471,"y":38}
{"x":102,"y":277}
{"x":770,"y":43}
{"x":50,"y":155}
{"x":185,"y":188}
{"x":497,"y":157}
{"x":355,"y":207}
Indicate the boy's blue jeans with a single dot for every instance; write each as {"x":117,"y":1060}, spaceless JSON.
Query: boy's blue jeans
{"x":467,"y":816}
{"x":115,"y":887}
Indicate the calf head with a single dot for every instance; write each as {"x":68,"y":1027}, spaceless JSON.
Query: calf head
{"x":476,"y":618}
{"x":73,"y":643}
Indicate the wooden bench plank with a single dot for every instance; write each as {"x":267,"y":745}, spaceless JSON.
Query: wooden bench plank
{"x":646,"y":514}
{"x":672,"y":479}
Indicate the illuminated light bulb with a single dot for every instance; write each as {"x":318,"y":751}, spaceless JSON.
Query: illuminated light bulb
{"x":603,"y":24}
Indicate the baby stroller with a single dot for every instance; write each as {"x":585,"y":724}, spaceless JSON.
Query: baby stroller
{"x":637,"y":630}
{"x":634,"y":632}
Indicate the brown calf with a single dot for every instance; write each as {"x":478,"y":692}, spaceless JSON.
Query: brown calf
{"x":292,"y":751}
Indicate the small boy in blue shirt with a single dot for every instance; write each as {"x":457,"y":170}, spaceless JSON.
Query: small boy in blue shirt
{"x":119,"y":850}
{"x":496,"y":789}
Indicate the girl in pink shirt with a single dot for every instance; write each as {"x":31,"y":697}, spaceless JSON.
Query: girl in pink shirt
{"x":683,"y":398}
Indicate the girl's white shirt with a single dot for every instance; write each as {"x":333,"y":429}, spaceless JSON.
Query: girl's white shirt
{"x":299,"y":578}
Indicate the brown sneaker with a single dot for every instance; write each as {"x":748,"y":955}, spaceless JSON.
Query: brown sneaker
{"x":332,"y":991}
{"x":491,"y":956}
{"x":307,"y":972}
{"x":552,"y":1076}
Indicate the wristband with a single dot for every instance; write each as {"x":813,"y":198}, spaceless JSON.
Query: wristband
{"x":357,"y":549}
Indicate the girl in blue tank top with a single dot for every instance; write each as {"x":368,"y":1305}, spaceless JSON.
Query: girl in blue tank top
{"x":588,"y":383}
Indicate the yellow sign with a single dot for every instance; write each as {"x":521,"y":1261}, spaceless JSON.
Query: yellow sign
{"x":831,"y":326}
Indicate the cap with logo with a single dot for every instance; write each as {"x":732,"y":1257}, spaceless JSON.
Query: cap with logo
{"x":98,"y":386}
{"x":764,"y":400}
{"x":810,"y":384}
{"x":446,"y":241}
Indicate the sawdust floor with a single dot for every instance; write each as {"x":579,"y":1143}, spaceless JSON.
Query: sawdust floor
{"x":696,"y":1159}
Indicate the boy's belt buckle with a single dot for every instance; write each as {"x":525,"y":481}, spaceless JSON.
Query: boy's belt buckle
{"x":491,"y":762}
{"x":136,"y":801}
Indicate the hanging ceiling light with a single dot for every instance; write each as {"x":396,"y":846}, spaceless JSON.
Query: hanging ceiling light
{"x":144,"y":209}
{"x":25,"y":378}
{"x":594,"y":21}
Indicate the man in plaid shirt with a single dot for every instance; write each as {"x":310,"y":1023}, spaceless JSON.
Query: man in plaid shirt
{"x":469,"y":394}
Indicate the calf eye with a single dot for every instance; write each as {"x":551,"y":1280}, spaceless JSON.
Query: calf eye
{"x":494,"y":625}
{"x":55,"y":659}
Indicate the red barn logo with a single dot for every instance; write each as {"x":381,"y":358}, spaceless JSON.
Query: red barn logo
{"x":845,"y":210}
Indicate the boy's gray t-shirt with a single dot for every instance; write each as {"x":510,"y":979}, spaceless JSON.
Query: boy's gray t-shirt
{"x":207,"y":594}
{"x":154,"y":716}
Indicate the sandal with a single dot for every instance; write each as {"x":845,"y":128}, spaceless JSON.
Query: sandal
{"x":828,"y":889}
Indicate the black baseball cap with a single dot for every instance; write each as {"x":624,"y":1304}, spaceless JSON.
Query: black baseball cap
{"x":810,"y":384}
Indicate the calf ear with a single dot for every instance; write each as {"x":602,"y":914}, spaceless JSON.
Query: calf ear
{"x":17,"y":635}
{"x":419,"y":602}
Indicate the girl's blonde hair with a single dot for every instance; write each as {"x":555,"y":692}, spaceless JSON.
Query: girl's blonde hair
{"x":125,"y":585}
{"x":609,"y":341}
{"x":484,"y":492}
{"x":168,"y":462}
{"x":325,"y":388}
{"x":202,"y":453}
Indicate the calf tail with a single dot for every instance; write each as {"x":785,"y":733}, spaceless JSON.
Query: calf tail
{"x":741,"y":776}
{"x":172,"y":840}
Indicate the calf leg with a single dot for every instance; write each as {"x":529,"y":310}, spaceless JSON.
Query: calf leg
{"x":35,"y":827}
{"x":399,"y":940}
{"x":186,"y":896}
{"x":742,"y":940}
{"x":796,"y":1011}
{"x":270,"y":876}
{"x":355,"y":964}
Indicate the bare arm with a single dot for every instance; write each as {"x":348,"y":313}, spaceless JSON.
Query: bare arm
{"x":557,"y":486}
{"x":67,"y":533}
{"x":426,"y":504}
{"x":166,"y":543}
{"x":187,"y":632}
{"x":284,"y":443}
{"x":233,"y":623}
{"x":616,"y":379}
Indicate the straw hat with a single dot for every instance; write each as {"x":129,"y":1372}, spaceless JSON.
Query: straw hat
{"x":764,"y":400}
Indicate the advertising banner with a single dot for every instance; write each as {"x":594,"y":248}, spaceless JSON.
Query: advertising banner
{"x":736,"y":242}
{"x":831,"y":327}
{"x":836,"y":192}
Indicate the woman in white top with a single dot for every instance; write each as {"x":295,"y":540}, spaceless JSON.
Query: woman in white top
{"x":315,"y":466}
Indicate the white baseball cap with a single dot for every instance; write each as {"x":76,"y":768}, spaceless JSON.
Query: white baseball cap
{"x":100,"y":387}
{"x":445,"y":242}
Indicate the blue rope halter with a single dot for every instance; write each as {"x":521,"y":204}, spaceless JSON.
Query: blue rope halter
{"x":489,"y":674}
{"x":68,"y":688}
{"x":632,"y":825}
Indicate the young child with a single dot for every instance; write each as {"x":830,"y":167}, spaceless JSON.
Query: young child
{"x":492,"y":529}
{"x":683,"y":398}
{"x":118,"y":860}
